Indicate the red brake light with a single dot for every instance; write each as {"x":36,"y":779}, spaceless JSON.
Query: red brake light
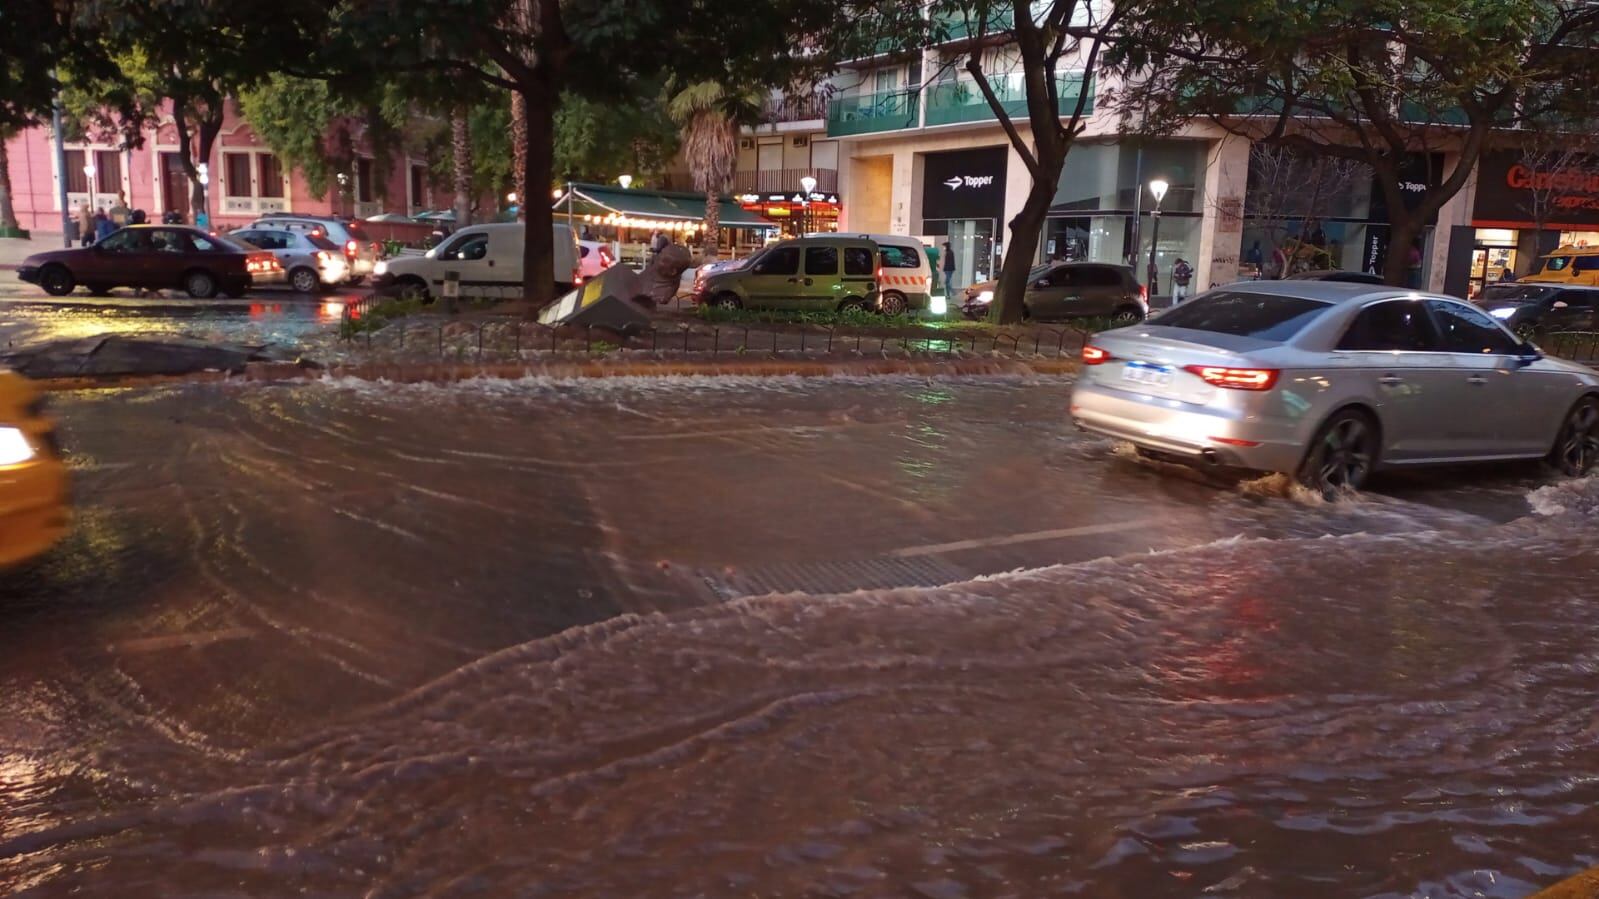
{"x":1235,"y":378}
{"x":351,"y":248}
{"x":1143,"y":294}
{"x":1093,"y":355}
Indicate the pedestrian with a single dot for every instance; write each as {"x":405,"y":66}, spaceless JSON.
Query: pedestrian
{"x":102,"y":226}
{"x":1181,"y":274}
{"x":85,"y":224}
{"x":1413,"y":266}
{"x":1506,"y":276}
{"x":138,"y":217}
{"x":1254,"y":256}
{"x":1279,"y":264}
{"x":120,"y":213}
{"x":947,"y":263}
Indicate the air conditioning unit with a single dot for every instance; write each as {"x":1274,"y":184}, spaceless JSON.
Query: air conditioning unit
{"x":746,"y":143}
{"x":802,"y":141}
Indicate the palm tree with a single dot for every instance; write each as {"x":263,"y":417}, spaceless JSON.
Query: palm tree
{"x":461,"y":158}
{"x":710,"y":114}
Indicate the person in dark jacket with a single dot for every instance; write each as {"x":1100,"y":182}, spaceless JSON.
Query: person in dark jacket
{"x":947,"y":263}
{"x":102,"y":226}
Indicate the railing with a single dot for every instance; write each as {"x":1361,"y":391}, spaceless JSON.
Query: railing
{"x":796,"y":108}
{"x":956,"y":24}
{"x":1578,"y":346}
{"x":963,"y":100}
{"x":869,"y":113}
{"x":784,"y":181}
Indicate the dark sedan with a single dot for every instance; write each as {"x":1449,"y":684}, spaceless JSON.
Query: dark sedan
{"x":155,"y":257}
{"x":1530,"y":308}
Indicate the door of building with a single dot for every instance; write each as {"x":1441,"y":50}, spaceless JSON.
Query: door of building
{"x":174,"y":184}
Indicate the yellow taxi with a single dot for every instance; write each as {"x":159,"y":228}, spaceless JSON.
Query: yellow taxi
{"x":1568,"y":265}
{"x":33,"y":480}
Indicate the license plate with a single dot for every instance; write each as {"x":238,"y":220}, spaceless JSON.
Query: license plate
{"x":1147,"y":373}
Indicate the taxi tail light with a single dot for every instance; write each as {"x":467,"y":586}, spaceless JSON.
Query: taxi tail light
{"x":1093,"y":355}
{"x":1235,"y":378}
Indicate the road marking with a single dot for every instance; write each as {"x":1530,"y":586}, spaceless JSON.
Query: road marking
{"x":1035,"y":536}
{"x":181,"y":641}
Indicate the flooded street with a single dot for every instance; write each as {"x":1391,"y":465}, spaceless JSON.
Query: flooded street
{"x":729,"y":637}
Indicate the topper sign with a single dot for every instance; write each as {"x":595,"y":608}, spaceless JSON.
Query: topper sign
{"x":964,"y":184}
{"x":958,"y":181}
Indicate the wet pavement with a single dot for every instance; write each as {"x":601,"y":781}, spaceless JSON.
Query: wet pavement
{"x":782,"y":638}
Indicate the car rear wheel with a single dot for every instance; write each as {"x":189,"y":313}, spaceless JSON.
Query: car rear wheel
{"x":56,"y":280}
{"x":1342,"y":455}
{"x":200,"y":285}
{"x":304,"y":280}
{"x":1577,"y":447}
{"x":852,"y":304}
{"x":727,"y":300}
{"x":892,"y":303}
{"x":1127,"y":315}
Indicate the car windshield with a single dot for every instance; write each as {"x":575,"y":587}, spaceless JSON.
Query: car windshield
{"x":1260,"y":315}
{"x":233,"y":243}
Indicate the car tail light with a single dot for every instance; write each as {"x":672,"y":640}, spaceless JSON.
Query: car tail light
{"x":351,"y":248}
{"x":1235,"y":378}
{"x":1143,"y":295}
{"x":1093,"y":355}
{"x":323,"y":257}
{"x":606,"y":259}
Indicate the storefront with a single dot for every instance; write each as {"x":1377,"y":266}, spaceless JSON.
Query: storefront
{"x":796,"y":213}
{"x":628,"y":218}
{"x":963,"y":204}
{"x":1102,"y":208}
{"x":1521,"y":212}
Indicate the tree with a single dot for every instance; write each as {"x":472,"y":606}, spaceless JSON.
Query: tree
{"x":597,"y":141}
{"x":710,"y":114}
{"x":1027,"y":81}
{"x":313,"y":129}
{"x":1385,"y":83}
{"x":1290,"y":192}
{"x":461,"y":166}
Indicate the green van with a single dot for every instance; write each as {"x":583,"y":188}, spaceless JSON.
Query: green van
{"x":811,"y":273}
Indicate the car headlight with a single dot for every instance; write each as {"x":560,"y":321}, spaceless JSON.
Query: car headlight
{"x":1503,"y":312}
{"x":382,"y":268}
{"x":986,"y":296}
{"x":14,"y":447}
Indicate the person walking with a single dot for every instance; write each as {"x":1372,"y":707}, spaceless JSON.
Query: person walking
{"x":947,"y":263}
{"x":102,"y":226}
{"x":1413,"y":266}
{"x":85,"y":224}
{"x":120,"y":213}
{"x":1181,"y":274}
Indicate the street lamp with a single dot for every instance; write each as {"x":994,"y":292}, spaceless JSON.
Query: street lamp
{"x":88,"y":172}
{"x":511,"y":198}
{"x":1157,"y":189}
{"x":625,"y":180}
{"x":809,"y":184}
{"x":202,"y":219}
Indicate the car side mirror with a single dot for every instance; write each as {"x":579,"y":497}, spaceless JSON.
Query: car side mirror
{"x":1041,"y":282}
{"x":1561,"y":304}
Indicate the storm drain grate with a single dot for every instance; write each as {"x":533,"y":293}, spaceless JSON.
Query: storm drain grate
{"x":836,"y":576}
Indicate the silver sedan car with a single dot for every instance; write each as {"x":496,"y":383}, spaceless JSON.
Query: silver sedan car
{"x":1329,"y":381}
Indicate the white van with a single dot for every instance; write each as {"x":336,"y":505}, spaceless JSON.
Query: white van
{"x":904,"y":274}
{"x":489,"y":258}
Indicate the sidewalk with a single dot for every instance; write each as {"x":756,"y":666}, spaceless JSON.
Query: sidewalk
{"x":14,"y":249}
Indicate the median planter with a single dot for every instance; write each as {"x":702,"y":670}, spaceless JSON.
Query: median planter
{"x":19,"y":233}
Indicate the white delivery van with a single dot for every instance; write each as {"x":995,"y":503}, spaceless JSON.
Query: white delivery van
{"x":488,"y":258}
{"x":904,"y":274}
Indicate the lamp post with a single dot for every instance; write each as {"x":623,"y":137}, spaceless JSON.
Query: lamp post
{"x":88,"y":172}
{"x":1157,"y":189}
{"x":809,"y":184}
{"x":202,"y":218}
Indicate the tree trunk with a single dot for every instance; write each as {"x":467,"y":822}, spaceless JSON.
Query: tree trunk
{"x":1403,"y":231}
{"x":538,"y":263}
{"x":1025,"y":228}
{"x":519,"y":147}
{"x":461,"y":165}
{"x":712,"y":248}
{"x":8,"y":215}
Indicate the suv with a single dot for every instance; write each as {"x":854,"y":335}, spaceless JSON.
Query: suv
{"x":810,"y":273}
{"x":1071,"y":290}
{"x":1568,"y":265}
{"x":360,"y":250}
{"x":904,"y":273}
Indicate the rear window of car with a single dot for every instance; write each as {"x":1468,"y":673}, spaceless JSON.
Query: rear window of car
{"x":1097,"y":276}
{"x":900,"y":257}
{"x":355,"y":229}
{"x":1263,"y":316}
{"x":320,"y":242}
{"x":226,"y":242}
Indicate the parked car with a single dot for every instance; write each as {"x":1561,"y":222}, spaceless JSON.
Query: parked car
{"x":1567,"y":265}
{"x":313,"y":263}
{"x":1070,"y":290}
{"x":1529,"y":308}
{"x":1338,"y":275}
{"x":488,"y":258}
{"x":360,"y":250}
{"x":155,"y":257}
{"x":33,"y":479}
{"x":834,"y":273}
{"x":904,"y":274}
{"x":594,"y":257}
{"x":1330,"y":382}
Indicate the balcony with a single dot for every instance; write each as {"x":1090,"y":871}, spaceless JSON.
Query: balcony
{"x":872,"y":113}
{"x":954,"y":25}
{"x":797,"y":108}
{"x":962,"y":101}
{"x":784,"y":181}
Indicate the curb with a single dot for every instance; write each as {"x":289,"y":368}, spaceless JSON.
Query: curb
{"x":268,"y":372}
{"x":1583,"y":886}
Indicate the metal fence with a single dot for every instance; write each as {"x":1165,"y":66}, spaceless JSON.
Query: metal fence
{"x":1578,"y":346}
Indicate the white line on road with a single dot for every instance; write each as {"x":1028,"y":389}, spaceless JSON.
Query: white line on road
{"x":1084,"y":531}
{"x":181,"y":641}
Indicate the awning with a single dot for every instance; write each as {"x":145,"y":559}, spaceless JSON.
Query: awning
{"x":653,"y":205}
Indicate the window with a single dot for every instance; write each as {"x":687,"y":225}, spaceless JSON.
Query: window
{"x":1585,"y":264}
{"x":778,"y":261}
{"x":1465,"y":330}
{"x":236,"y":168}
{"x":467,"y":247}
{"x":363,"y":180}
{"x":821,"y":260}
{"x":1098,"y":276}
{"x":418,"y":183}
{"x":77,"y":181}
{"x":128,"y":240}
{"x":164,"y":241}
{"x":204,"y":245}
{"x":253,"y":238}
{"x":108,"y":172}
{"x":1579,"y":300}
{"x":1552,"y":264}
{"x":1259,"y":315}
{"x":858,"y":262}
{"x":266,"y":240}
{"x":269,"y":175}
{"x":900,"y":257}
{"x":1395,"y":325}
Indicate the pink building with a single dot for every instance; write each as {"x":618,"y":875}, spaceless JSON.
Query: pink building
{"x":246,"y":180}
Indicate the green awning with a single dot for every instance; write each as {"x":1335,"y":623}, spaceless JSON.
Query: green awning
{"x":599,"y":199}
